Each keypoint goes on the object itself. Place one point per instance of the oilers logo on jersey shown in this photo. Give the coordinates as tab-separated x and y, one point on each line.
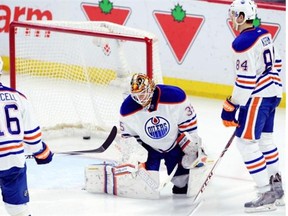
157	127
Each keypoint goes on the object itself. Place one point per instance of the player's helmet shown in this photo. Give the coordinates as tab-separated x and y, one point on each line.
247	7
142	88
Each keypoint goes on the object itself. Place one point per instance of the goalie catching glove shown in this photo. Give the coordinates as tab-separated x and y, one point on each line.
191	145
43	156
229	112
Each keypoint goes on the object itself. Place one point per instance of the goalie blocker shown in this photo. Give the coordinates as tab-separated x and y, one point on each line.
191	145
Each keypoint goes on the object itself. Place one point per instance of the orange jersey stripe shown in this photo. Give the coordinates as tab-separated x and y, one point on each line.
12	147
245	82
277	78
44	154
190	124
33	137
264	81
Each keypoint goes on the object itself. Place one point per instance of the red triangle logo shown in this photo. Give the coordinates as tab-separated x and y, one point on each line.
272	28
179	35
118	15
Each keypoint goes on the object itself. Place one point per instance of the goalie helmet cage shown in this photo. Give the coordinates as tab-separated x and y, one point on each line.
77	74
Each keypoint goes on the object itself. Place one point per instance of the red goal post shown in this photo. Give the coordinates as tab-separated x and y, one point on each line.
76	73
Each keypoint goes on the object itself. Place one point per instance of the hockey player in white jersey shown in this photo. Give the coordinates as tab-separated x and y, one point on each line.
163	121
257	92
18	131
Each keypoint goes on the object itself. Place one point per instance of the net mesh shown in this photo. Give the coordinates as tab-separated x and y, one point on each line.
76	80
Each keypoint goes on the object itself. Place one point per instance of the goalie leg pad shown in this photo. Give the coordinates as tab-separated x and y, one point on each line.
96	178
121	180
197	177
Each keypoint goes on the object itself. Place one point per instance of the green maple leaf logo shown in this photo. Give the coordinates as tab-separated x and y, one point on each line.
106	6
256	22
178	13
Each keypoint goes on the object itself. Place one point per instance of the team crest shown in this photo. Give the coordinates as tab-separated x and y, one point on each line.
157	127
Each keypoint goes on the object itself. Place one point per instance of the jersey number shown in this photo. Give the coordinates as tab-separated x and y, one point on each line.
267	57
189	110
242	65
12	123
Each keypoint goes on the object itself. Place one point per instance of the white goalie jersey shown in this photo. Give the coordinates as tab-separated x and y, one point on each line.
170	113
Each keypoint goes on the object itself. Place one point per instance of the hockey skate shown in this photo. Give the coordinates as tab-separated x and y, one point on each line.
276	185
264	202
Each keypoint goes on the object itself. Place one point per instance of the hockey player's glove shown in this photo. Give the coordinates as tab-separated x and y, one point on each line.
43	156
229	112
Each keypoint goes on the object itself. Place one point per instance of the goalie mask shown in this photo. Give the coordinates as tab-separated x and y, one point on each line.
247	7
142	88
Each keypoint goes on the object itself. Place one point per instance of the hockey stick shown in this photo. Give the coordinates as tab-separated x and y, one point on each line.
204	185
111	137
152	184
168	179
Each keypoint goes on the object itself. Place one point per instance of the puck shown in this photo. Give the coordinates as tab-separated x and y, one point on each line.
86	137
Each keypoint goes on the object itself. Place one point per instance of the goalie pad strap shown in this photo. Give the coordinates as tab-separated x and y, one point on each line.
123	169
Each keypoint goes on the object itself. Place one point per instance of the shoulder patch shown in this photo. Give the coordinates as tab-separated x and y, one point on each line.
129	106
171	94
247	38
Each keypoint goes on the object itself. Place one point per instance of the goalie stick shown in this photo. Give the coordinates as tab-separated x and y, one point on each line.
111	137
206	181
152	184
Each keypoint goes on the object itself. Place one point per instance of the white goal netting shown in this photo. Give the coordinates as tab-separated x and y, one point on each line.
76	74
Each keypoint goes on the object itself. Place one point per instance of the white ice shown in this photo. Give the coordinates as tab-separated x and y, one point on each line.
56	189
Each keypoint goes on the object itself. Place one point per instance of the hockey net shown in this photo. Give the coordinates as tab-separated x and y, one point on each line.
76	74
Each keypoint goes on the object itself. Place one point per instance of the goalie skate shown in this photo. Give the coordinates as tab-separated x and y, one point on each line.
197	177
